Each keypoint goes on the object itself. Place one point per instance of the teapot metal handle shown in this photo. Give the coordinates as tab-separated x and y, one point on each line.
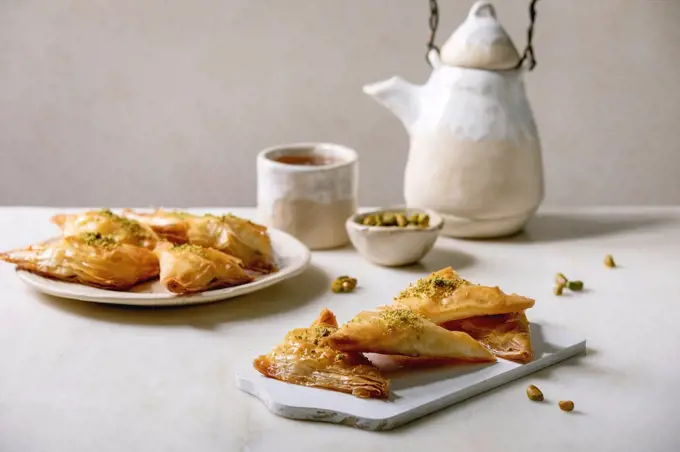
432	49
529	49
432	54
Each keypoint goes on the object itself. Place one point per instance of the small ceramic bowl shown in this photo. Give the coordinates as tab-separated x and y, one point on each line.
393	246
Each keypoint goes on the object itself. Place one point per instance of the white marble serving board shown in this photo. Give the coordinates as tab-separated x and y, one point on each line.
414	394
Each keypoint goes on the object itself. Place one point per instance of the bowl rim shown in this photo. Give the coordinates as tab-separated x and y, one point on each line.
437	225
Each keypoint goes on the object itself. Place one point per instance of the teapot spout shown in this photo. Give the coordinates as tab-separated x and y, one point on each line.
398	96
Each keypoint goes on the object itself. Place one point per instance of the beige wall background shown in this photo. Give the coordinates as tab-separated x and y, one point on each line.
167	102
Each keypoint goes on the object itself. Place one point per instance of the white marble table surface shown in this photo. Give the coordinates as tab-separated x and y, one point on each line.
82	377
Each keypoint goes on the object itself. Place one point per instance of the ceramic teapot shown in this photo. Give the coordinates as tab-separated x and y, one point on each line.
475	154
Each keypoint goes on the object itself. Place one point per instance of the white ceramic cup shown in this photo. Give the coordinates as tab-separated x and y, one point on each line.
309	201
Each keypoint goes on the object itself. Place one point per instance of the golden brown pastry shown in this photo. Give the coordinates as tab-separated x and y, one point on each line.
168	225
304	359
240	238
105	222
444	296
397	331
507	336
88	258
192	268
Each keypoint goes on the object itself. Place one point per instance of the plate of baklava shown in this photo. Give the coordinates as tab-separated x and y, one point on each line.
157	258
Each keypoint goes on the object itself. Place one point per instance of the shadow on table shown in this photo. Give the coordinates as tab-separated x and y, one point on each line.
553	227
437	259
287	295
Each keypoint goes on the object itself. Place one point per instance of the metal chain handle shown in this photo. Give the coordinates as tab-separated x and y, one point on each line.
434	23
529	49
528	54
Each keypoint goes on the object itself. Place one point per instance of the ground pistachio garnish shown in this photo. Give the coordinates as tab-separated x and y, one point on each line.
558	289
343	284
219	218
401	318
433	287
132	227
322	331
196	249
534	393
180	214
398	219
99	240
609	261
315	334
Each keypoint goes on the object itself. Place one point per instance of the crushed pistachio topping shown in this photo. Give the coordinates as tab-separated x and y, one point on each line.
322	331
179	214
397	319
98	240
132	227
196	249
433	287
315	334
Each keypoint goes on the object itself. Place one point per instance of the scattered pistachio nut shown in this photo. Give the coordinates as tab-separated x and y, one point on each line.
609	261
557	290
534	393
575	285
566	405
343	284
561	279
396	219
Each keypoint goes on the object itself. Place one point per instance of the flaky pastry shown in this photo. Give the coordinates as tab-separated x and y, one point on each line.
105	222
507	336
444	296
303	358
168	226
88	258
238	237
192	268
397	331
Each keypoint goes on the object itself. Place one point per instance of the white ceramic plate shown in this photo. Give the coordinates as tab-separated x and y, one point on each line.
291	255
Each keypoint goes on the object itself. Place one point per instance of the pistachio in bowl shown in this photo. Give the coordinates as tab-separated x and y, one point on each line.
394	237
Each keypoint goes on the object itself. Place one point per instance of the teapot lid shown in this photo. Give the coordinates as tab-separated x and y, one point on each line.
480	42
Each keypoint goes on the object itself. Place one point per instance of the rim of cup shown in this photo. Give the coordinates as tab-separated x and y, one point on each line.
340	154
